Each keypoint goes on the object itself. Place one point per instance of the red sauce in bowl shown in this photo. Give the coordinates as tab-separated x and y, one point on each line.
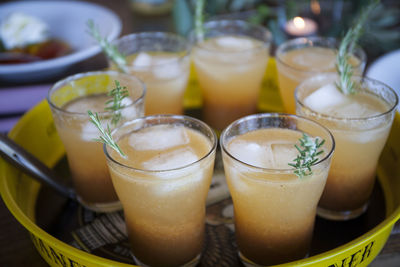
35	52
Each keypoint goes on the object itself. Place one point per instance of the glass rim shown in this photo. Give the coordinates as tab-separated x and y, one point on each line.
164	116
275	115
157	34
352	119
358	52
77	76
221	22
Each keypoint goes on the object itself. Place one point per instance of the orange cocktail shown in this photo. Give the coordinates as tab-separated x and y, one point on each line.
163	183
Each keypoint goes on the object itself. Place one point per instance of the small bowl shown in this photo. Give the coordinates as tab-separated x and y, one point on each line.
67	22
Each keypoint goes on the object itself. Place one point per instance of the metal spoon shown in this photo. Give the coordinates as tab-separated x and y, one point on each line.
29	164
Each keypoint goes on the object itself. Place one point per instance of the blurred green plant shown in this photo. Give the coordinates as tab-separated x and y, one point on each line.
183	11
381	31
261	12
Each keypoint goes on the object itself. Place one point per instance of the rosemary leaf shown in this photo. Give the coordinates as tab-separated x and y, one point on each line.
199	19
346	48
115	104
111	51
308	152
105	134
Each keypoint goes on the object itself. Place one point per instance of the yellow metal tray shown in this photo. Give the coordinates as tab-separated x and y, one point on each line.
36	132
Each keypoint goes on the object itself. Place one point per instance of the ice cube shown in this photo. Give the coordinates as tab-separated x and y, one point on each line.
171	160
313	58
283	153
159	138
363	137
355	110
248	152
167	70
142	60
234	43
89	131
325	98
158	60
268	157
170	187
84	106
179	181
129	111
126	101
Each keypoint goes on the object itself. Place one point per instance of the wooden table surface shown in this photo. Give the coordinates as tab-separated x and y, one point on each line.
16	247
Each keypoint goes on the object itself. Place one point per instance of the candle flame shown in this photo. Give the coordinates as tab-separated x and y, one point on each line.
299	22
315	7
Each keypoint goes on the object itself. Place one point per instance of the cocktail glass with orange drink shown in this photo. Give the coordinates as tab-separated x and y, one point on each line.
230	62
360	124
301	58
274	208
163	182
69	100
161	60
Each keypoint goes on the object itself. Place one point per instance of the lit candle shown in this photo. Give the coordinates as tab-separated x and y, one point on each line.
299	26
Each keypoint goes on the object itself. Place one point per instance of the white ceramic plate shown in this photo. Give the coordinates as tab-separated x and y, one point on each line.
67	21
387	70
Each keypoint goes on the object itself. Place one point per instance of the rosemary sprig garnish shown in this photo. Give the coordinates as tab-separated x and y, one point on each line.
199	19
308	152
111	51
105	136
115	104
346	48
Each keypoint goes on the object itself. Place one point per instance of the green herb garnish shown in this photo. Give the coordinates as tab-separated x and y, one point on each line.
346	48
308	152
105	136
199	19
111	51
115	104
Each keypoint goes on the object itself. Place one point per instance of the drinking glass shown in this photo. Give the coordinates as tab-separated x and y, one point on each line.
360	124
274	209
163	182
230	62
301	58
161	60
69	100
